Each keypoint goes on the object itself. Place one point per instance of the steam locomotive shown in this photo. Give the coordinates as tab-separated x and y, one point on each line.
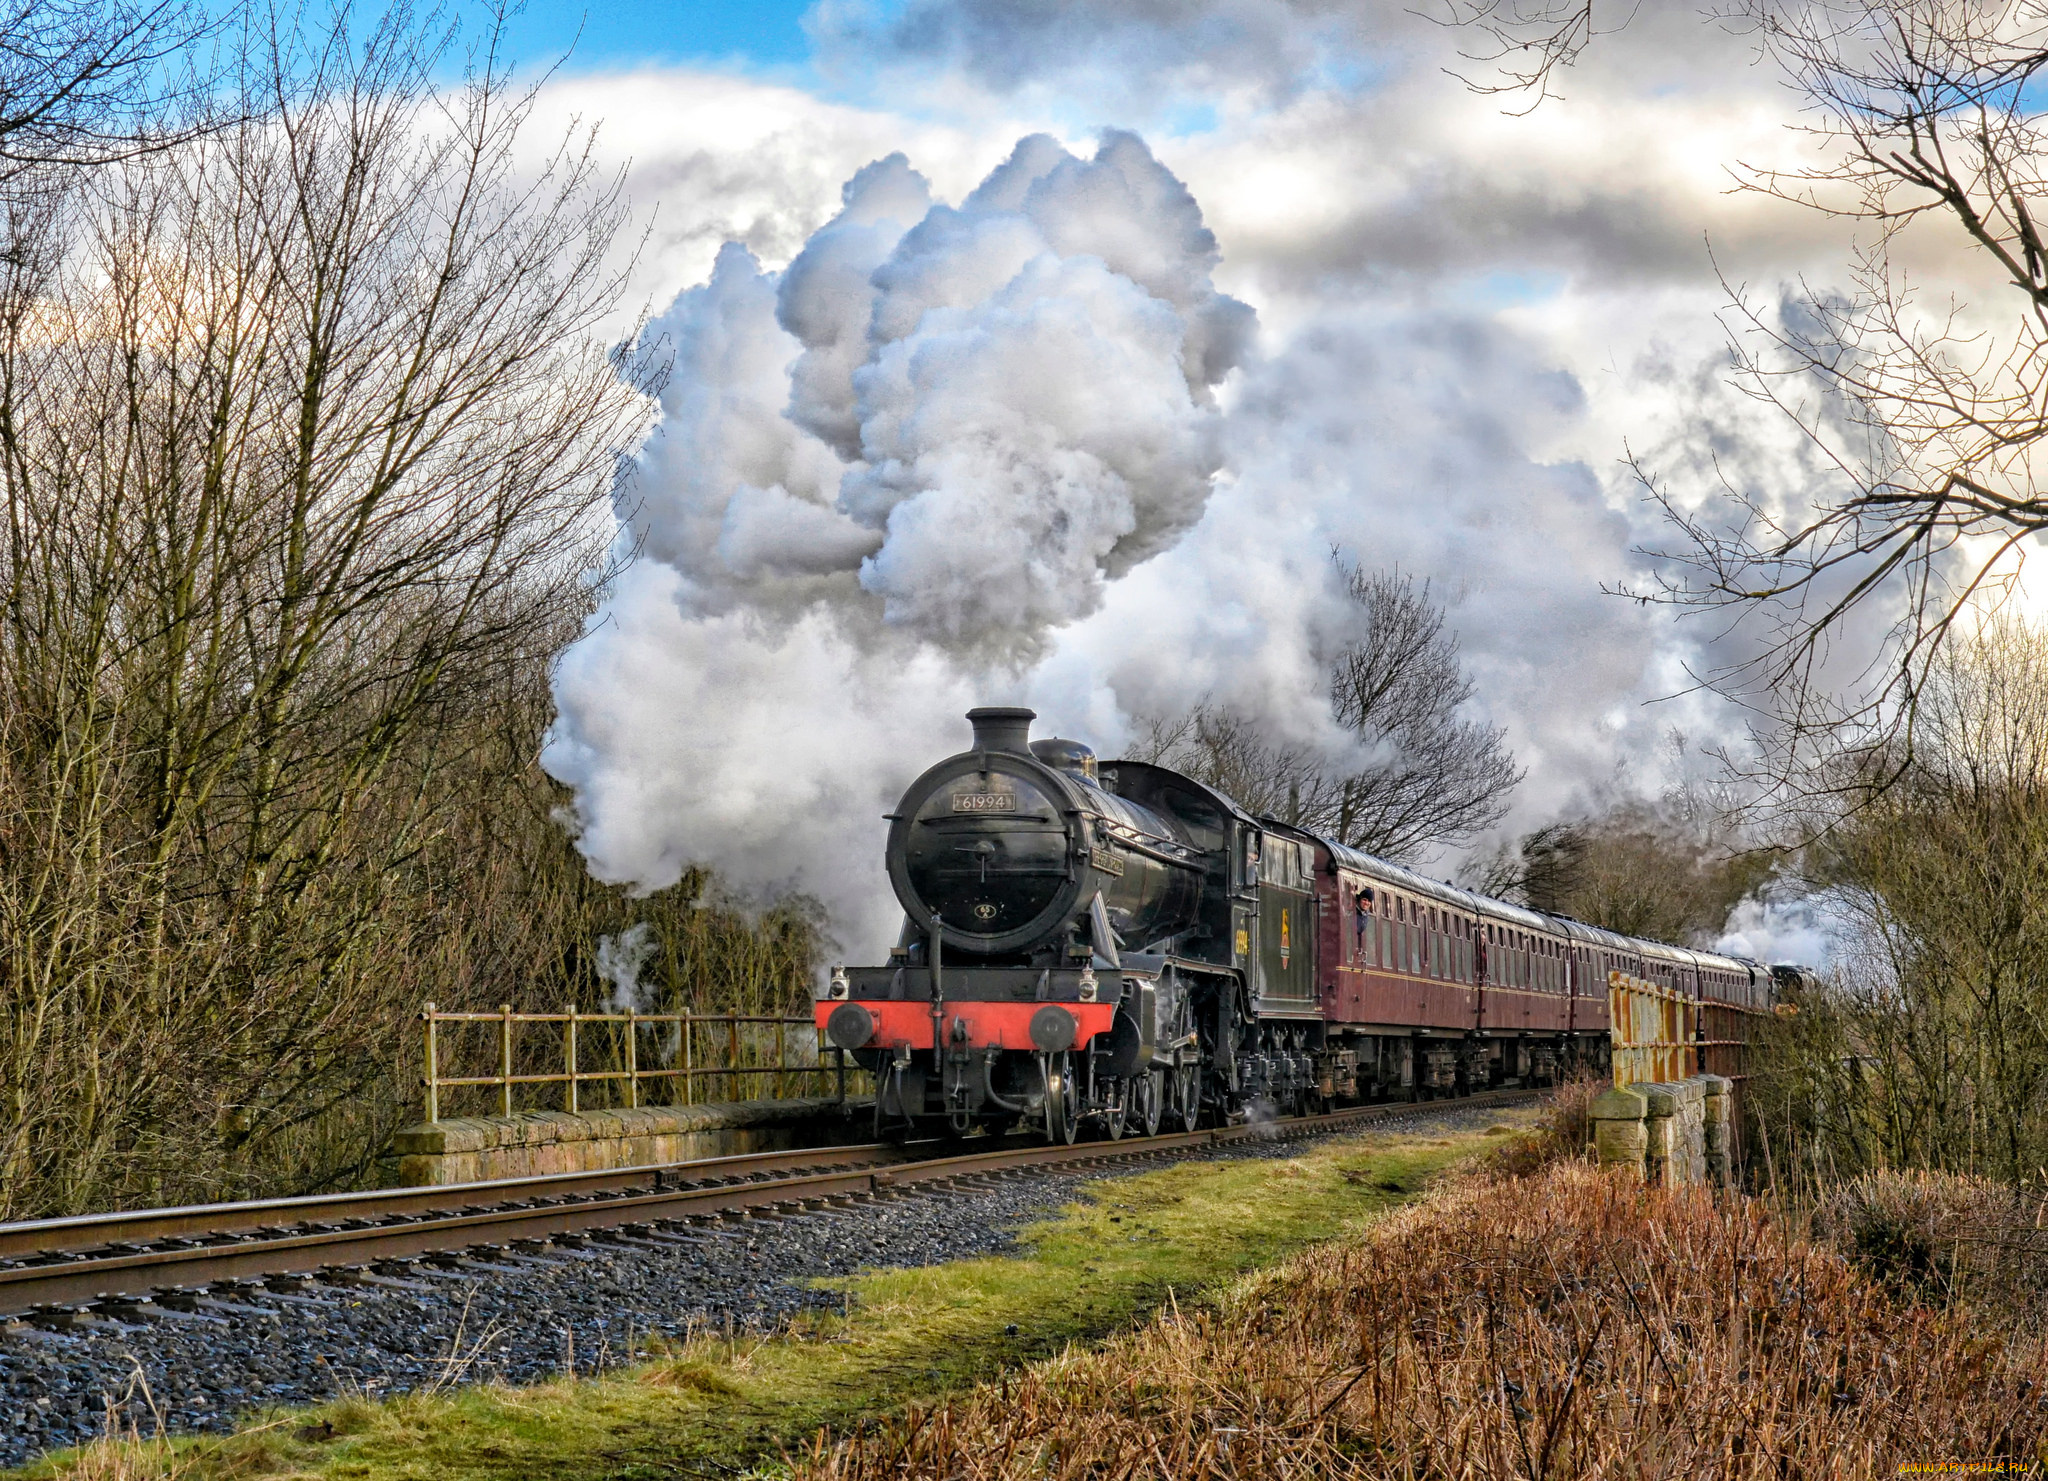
1118	946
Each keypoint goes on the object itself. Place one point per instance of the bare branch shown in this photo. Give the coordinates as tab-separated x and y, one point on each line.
1419	775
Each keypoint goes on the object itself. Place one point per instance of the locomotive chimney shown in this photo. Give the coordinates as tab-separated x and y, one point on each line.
1002	728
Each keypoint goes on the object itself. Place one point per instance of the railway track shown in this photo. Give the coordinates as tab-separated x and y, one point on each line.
60	1271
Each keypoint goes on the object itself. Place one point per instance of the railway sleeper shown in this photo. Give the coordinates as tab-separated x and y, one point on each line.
378	1281
153	1308
75	1318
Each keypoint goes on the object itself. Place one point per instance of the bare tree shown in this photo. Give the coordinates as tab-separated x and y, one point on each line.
1526	42
1929	417
85	81
1641	866
1939	1006
307	431
1429	778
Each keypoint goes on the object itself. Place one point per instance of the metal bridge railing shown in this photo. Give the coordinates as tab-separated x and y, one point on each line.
1652	1029
732	1050
1658	1034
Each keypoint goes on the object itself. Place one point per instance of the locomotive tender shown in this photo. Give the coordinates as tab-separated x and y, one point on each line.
1123	946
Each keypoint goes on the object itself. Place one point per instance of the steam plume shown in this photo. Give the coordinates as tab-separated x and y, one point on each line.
884	478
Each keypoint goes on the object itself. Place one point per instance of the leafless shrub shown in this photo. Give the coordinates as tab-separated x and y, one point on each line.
1563	1131
1944	1237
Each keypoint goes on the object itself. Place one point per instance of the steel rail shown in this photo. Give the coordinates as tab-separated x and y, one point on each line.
447	1221
140	1226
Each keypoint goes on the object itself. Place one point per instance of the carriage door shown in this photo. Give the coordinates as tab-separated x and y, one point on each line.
1244	909
1286	928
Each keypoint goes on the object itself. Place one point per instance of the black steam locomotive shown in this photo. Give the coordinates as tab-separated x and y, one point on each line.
1121	946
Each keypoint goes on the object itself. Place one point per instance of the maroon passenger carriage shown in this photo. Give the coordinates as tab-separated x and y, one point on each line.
1123	946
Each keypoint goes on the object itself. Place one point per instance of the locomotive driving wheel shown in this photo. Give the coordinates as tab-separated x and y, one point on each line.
1116	1112
1062	1099
1184	1095
1148	1101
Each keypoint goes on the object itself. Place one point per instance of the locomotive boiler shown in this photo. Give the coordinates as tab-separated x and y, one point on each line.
1119	945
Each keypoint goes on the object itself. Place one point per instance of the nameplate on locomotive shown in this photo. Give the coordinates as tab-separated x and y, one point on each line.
984	802
1105	860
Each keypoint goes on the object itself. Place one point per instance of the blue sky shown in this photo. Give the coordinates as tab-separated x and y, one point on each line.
754	35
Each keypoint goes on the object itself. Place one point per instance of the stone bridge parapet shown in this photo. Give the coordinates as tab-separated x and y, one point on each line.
473	1149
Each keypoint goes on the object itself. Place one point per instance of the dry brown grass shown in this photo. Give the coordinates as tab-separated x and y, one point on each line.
1944	1237
1563	1130
1568	1324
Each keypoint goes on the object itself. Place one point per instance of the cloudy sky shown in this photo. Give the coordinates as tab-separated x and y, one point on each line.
1045	352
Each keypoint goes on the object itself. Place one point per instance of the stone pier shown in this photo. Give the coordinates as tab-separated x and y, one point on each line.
1669	1132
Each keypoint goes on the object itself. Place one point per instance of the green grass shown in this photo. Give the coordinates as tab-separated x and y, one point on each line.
718	1408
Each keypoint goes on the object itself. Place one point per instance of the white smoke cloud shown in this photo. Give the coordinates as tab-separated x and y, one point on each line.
884	478
621	958
975	414
1775	926
770	748
979	435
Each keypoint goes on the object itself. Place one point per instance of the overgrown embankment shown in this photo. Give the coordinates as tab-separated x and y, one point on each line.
1560	1324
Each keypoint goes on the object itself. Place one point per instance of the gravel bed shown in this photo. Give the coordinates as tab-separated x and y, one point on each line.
559	1310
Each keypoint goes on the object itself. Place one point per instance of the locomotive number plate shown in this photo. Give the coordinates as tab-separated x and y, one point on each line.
1105	860
984	802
